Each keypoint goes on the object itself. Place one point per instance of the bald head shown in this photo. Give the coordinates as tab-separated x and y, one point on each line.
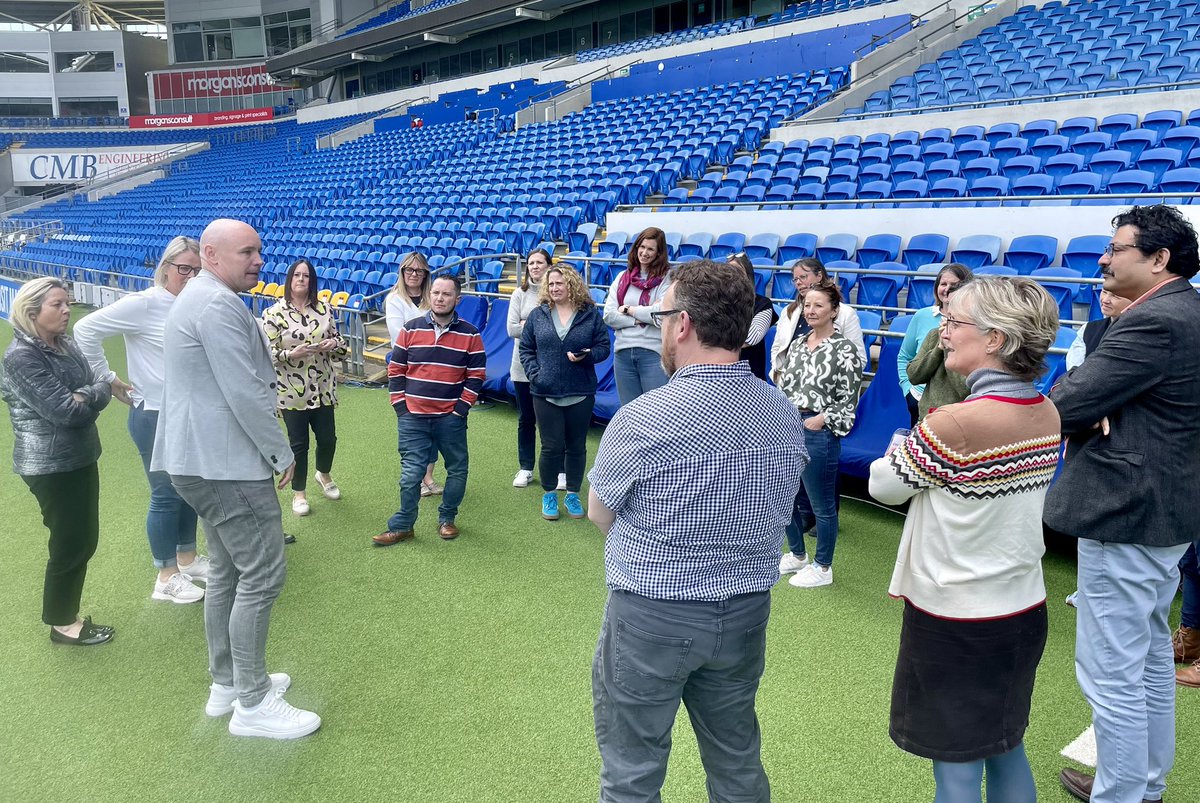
231	251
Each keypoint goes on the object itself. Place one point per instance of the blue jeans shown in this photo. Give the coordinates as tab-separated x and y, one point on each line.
421	438
245	575
1124	664
654	653
170	522
1189	567
637	370
816	503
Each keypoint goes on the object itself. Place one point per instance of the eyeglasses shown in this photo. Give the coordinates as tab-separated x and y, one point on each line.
658	315
952	323
184	270
1116	248
414	271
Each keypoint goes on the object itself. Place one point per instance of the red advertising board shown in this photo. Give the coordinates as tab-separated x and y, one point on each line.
214	82
195	119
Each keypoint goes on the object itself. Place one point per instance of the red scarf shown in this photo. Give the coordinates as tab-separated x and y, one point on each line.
634	276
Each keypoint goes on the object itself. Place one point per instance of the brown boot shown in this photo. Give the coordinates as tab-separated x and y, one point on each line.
1189	676
1186	643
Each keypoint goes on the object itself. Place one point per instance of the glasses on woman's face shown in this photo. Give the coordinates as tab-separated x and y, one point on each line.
952	324
414	271
185	270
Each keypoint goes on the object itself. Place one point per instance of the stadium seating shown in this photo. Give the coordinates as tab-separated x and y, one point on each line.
668	39
400	11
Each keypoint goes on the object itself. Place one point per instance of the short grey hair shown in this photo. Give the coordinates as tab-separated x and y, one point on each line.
174	248
1018	308
27	304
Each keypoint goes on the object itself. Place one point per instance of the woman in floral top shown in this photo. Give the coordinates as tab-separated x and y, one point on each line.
305	342
821	377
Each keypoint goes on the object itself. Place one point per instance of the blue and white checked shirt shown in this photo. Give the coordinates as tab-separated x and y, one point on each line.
702	474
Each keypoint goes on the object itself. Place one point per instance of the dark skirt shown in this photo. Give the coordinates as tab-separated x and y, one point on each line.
962	687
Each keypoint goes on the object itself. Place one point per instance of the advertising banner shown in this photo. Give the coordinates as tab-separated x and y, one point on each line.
196	119
35	167
8	291
214	82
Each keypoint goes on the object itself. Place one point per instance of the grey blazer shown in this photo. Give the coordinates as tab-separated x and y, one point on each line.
218	413
1136	485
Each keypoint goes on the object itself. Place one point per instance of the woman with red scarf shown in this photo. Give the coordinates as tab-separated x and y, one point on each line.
637	292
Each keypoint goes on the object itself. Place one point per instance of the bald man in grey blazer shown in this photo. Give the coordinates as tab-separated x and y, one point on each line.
220	442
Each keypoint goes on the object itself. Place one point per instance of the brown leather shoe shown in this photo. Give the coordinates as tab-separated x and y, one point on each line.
1186	644
391	538
1189	676
1079	784
447	531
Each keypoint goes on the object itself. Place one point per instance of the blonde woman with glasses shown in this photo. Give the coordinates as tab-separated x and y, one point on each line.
409	299
139	318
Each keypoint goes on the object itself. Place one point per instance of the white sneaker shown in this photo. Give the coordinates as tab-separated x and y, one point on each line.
220	698
300	506
812	576
562	482
197	569
790	564
273	718
522	479
178	589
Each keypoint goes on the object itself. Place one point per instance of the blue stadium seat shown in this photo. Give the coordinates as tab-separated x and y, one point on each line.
924	249
835	247
977	250
798	246
1031	252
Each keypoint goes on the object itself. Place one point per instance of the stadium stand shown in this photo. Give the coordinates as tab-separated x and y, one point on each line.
400	11
667	39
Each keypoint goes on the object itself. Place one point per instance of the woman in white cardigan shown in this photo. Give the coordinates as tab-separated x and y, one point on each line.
140	318
806	273
524	300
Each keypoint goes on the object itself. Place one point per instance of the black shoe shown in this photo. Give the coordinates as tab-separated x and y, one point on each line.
89	634
288	538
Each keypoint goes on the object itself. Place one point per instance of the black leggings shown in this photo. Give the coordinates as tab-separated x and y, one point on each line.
564	432
70	503
297	423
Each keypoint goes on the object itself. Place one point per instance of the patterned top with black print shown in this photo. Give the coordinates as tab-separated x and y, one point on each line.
307	382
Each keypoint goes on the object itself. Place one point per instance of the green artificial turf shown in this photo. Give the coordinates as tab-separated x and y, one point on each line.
447	671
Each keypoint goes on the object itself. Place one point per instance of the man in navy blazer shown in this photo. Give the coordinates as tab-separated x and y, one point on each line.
1127	493
220	442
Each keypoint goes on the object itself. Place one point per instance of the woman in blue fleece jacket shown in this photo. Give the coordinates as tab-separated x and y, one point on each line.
562	341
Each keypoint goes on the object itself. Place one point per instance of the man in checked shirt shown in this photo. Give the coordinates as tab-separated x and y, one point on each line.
692	485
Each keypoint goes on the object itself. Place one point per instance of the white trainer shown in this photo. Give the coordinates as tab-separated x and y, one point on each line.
273	718
220	698
197	569
812	576
522	479
178	589
562	482
790	564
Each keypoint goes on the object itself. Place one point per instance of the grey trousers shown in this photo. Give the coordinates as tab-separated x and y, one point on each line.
653	654
246	573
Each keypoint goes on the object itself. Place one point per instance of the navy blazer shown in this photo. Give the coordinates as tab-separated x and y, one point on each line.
544	355
1136	485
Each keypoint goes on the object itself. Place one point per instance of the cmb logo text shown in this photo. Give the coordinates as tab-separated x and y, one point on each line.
76	167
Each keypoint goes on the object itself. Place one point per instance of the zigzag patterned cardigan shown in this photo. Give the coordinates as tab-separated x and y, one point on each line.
977	474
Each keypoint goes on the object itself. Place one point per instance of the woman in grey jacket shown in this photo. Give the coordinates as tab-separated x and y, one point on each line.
53	399
561	343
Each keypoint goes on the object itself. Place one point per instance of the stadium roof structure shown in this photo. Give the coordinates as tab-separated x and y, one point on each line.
60	15
448	25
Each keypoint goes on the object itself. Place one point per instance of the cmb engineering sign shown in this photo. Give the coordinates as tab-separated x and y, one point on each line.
36	168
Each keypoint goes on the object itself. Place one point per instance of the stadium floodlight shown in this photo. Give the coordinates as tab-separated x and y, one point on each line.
356	56
442	38
537	14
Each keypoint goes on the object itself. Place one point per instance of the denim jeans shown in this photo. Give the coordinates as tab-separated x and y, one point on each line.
1189	567
564	441
651	655
526	426
816	503
245	575
170	522
637	370
1124	664
421	438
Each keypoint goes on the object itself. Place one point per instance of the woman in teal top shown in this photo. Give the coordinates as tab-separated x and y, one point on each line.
923	322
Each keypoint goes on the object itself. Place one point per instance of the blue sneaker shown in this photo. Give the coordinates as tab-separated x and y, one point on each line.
550	506
574	506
